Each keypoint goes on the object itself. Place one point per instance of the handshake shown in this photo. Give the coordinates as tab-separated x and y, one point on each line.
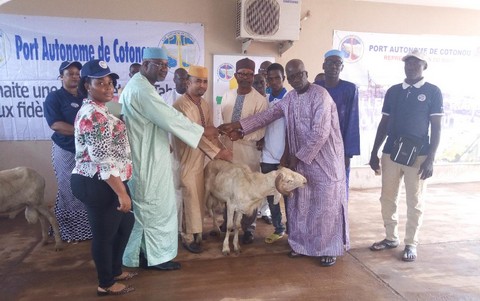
232	130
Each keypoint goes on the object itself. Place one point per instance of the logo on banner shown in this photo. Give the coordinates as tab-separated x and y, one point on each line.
225	71
183	49
353	47
3	48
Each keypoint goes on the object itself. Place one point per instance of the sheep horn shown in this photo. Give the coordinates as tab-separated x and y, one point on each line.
279	187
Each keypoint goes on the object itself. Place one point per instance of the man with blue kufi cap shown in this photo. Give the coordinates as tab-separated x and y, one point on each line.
153	242
345	96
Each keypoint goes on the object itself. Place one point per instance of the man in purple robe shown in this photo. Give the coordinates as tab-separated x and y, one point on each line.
316	214
345	96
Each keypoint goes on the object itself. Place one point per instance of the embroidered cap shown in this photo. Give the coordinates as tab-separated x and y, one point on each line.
335	52
97	69
245	63
152	53
198	71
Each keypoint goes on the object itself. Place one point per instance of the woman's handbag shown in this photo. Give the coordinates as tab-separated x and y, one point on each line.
405	150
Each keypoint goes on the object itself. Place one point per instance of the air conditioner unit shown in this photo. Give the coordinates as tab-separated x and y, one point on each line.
268	20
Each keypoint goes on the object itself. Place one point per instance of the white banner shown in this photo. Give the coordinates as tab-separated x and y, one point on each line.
32	49
223	79
375	64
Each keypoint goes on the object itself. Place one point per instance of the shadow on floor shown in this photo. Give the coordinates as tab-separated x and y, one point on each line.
448	267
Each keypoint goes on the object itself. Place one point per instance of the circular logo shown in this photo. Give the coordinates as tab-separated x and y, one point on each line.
4	45
353	47
421	97
225	71
183	49
103	64
74	105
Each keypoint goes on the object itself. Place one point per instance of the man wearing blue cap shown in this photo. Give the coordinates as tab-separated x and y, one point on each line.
345	96
154	241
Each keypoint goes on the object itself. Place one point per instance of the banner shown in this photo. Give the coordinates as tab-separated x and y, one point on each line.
32	49
223	79
374	63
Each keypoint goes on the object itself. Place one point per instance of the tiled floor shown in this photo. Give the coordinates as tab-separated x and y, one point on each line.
448	267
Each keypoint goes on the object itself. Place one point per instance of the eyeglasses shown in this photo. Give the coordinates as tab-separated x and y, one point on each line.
337	64
242	74
161	65
295	76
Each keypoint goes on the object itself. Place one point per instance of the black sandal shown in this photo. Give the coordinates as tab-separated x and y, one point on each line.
410	253
106	291
327	261
384	244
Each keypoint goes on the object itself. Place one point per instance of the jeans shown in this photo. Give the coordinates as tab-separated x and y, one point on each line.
275	210
111	228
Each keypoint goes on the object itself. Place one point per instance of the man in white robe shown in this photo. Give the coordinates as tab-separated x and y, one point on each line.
238	104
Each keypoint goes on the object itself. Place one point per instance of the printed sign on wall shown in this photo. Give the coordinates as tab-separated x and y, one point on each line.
32	49
374	63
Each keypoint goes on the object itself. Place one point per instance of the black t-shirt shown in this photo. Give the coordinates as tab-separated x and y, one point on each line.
62	106
410	108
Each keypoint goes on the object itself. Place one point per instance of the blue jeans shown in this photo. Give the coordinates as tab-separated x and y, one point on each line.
275	210
110	228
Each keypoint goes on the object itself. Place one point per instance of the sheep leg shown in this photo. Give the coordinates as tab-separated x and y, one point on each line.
276	197
215	228
238	218
45	212
44	227
226	247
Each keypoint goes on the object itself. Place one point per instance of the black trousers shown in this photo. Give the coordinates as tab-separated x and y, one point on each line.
110	228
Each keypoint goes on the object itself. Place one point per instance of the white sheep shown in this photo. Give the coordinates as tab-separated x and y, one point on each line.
24	188
242	191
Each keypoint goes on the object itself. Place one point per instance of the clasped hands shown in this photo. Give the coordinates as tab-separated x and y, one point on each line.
212	133
232	130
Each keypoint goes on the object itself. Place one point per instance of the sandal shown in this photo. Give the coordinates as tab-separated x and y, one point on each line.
273	238
106	291
384	244
327	261
125	276
409	253
293	254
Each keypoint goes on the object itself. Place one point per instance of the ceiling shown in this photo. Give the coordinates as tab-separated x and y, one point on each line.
467	4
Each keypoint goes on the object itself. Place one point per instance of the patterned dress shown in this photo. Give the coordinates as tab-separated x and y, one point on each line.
71	214
317	213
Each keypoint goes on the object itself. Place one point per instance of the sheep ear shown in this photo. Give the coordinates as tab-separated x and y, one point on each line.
278	184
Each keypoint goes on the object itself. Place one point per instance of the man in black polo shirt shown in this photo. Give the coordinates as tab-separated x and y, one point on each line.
409	109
